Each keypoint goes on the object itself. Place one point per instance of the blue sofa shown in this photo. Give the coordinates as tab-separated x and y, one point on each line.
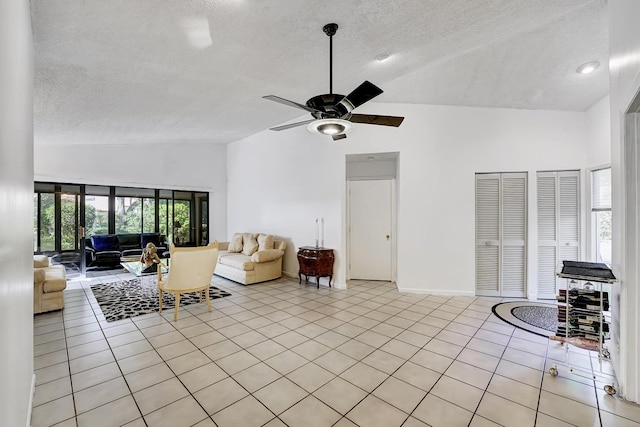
106	249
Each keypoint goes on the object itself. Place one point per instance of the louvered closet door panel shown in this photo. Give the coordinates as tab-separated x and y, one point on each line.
488	234
487	270
513	271
514	207
569	253
569	205
547	234
514	229
488	208
547	207
547	262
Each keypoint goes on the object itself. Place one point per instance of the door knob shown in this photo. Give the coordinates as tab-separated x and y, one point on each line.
388	237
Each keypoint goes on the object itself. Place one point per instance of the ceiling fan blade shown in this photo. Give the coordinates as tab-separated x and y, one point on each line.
338	137
363	93
292	125
373	119
290	103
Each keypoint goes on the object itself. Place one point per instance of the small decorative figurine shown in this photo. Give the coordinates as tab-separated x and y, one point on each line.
150	258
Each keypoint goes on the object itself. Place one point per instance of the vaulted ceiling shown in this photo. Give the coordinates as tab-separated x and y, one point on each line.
170	71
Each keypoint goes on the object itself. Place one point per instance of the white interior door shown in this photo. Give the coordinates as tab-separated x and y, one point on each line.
370	223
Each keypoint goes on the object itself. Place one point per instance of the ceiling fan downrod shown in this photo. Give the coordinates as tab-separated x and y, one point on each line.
330	30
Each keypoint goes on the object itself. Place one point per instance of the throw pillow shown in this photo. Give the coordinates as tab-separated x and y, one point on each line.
105	242
249	244
235	245
265	241
150	238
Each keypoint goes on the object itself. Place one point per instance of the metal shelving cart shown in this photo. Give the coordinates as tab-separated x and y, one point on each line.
584	309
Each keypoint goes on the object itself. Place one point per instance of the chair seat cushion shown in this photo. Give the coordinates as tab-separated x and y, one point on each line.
108	254
131	252
239	261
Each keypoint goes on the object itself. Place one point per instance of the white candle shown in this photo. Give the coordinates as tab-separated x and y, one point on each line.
322	232
317	232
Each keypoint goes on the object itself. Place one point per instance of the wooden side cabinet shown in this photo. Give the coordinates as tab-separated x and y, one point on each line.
316	262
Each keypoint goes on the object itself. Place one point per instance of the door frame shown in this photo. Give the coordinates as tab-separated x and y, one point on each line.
393	227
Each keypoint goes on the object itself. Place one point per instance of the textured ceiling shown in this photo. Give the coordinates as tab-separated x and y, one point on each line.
166	71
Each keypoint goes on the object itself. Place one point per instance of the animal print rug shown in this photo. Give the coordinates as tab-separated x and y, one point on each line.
130	298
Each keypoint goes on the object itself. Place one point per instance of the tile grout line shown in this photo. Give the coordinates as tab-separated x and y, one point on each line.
322	300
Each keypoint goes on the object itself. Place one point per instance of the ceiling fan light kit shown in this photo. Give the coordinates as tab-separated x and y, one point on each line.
333	113
330	126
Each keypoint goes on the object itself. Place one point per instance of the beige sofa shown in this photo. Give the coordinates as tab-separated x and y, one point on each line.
49	282
250	258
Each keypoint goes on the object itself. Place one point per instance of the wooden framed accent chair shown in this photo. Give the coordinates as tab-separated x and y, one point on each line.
191	270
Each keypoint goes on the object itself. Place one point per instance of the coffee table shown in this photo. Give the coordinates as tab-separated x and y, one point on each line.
136	267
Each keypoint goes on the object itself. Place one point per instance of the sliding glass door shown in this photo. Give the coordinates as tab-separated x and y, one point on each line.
65	213
59	224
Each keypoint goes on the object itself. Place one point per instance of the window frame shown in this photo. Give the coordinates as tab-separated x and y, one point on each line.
592	216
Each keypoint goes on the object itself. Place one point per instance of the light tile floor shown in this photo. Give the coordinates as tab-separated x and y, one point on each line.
284	354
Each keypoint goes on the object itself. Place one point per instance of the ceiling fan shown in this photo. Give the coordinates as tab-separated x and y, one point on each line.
333	113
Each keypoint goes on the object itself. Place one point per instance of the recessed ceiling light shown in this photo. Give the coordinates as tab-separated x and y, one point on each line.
587	68
382	57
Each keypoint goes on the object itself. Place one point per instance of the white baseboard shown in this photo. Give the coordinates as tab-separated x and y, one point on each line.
333	284
31	395
289	274
444	292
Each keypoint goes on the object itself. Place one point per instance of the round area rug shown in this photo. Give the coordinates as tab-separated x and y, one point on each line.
535	317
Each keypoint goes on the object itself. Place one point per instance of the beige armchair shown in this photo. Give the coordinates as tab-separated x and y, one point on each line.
49	282
190	270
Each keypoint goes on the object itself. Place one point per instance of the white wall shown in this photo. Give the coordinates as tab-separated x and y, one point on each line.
599	134
280	181
16	213
624	65
198	167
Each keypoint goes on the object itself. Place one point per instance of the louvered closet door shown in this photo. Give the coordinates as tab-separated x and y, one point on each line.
547	234
514	229
501	218
558	226
488	234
